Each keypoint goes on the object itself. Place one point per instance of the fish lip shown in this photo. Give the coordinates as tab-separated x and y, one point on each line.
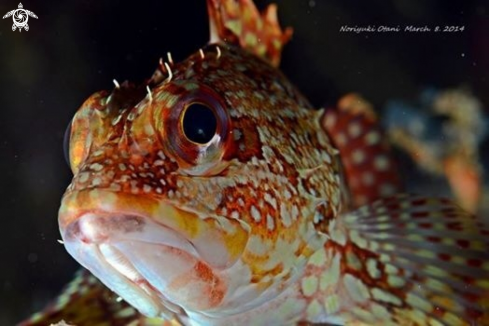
102	227
94	240
143	295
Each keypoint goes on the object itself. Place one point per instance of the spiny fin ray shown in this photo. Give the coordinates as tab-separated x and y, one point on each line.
239	22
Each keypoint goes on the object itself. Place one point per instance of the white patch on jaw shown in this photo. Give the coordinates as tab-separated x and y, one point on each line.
92	259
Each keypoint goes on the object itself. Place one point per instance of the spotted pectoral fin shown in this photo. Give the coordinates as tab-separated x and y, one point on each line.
370	170
239	22
415	261
85	301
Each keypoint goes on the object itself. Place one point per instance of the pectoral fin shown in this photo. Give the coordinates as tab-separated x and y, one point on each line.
409	260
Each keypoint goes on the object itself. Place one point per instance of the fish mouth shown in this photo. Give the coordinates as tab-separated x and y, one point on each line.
133	256
152	266
162	259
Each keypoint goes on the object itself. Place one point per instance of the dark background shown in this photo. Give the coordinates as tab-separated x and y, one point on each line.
77	48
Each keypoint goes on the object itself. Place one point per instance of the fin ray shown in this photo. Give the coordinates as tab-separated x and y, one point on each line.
239	22
437	269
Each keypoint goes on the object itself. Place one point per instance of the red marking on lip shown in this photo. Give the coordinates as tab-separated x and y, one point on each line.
214	287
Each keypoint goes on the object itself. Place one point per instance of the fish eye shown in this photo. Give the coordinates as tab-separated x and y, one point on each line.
197	130
66	144
199	123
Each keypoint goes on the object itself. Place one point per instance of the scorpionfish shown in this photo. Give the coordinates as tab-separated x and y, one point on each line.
215	194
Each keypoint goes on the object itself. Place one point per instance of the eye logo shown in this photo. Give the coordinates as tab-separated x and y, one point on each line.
20	17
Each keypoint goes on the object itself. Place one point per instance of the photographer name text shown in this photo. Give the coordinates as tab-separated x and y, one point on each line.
401	29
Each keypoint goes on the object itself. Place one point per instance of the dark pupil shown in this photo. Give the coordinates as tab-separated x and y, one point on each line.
199	123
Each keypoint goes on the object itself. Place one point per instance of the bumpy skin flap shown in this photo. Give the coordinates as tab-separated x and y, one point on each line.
239	22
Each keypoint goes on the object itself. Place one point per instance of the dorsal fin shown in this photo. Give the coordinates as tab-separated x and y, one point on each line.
239	22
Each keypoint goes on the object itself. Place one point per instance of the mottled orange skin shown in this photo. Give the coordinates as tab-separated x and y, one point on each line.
277	194
280	188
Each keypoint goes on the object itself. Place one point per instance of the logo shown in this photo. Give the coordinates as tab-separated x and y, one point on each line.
20	17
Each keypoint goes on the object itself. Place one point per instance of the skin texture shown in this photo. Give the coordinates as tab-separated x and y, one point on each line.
259	225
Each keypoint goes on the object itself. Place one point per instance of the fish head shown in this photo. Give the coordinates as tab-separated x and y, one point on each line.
203	193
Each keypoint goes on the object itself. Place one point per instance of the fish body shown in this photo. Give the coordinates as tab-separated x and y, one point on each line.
214	194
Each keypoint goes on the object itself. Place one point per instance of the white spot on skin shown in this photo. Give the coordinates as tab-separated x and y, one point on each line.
358	156
235	215
372	138
270	223
161	155
115	187
381	295
309	285
332	304
387	189
96	167
83	177
256	246
241	202
285	215
287	194
271	200
326	157
96	182
357	290
341	139
237	134
98	153
381	163
354	129
314	309
330	120
255	214
331	276
295	212
372	269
